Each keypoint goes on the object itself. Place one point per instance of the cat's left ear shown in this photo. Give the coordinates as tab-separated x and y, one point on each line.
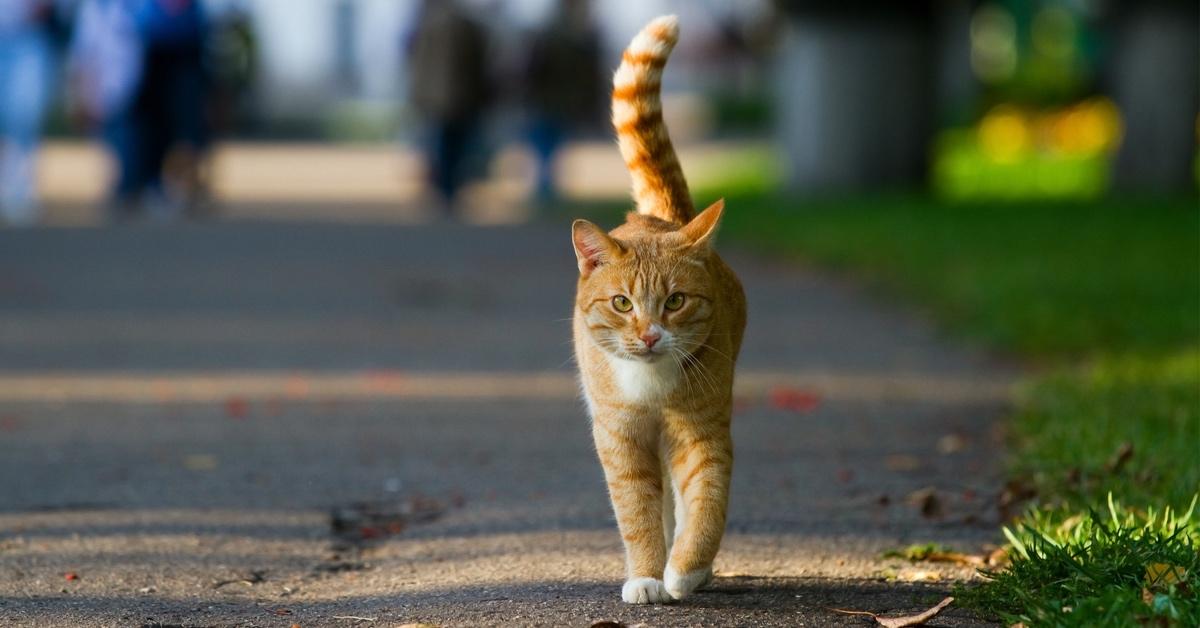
593	247
700	231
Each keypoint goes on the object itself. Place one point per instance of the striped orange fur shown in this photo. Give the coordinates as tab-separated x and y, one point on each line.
657	328
659	188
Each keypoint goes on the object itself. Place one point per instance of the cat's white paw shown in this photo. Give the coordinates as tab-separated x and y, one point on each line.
644	591
681	585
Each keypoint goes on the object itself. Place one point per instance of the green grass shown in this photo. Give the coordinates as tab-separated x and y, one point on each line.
1072	426
1113	567
1049	279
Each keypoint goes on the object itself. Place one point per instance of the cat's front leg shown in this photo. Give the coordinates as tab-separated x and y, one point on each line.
634	476
701	465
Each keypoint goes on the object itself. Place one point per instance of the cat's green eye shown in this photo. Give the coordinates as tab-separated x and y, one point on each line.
674	302
621	303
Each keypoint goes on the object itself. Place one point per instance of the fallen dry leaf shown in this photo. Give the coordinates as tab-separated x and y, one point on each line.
1016	492
927	500
904	621
1164	574
918	575
914	620
957	558
1122	455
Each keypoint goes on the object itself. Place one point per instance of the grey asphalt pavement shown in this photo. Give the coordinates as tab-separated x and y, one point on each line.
273	424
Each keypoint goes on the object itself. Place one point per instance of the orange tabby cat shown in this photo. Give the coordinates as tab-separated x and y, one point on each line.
658	324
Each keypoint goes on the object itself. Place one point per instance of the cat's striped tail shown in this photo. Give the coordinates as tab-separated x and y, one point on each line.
659	188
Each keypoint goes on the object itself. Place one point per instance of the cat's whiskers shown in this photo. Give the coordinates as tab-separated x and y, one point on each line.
702	377
675	357
704	372
705	345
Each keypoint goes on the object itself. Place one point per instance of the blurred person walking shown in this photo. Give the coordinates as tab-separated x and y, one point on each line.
105	67
450	89
171	104
565	84
26	62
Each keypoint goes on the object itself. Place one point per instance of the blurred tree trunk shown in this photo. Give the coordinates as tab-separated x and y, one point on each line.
855	83
1155	80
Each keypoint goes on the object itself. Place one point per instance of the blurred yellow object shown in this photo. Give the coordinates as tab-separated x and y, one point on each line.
963	169
1004	134
1091	127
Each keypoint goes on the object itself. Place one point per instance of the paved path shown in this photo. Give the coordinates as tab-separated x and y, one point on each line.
273	424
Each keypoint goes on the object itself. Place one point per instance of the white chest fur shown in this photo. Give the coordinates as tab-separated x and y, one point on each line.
642	382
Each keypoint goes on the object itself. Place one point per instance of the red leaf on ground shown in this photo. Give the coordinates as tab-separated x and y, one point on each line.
794	399
71	575
237	408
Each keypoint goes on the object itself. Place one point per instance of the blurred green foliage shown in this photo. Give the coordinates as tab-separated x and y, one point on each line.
1044	279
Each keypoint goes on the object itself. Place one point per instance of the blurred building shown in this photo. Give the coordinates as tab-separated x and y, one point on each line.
1010	98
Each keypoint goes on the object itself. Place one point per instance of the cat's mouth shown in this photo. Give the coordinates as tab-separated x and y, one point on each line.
645	355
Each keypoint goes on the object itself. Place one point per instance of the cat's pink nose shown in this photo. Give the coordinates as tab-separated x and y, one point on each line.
650	338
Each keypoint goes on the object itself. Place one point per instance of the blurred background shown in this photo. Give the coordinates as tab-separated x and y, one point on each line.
488	109
279	278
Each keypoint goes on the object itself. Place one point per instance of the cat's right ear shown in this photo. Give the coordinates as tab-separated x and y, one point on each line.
593	247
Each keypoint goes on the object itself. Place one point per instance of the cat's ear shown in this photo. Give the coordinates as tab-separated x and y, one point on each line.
593	246
700	230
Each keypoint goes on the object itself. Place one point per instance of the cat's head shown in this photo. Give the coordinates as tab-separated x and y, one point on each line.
647	291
